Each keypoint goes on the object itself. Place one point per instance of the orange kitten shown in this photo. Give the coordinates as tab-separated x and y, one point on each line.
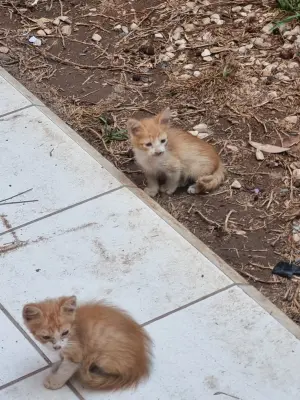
175	154
104	346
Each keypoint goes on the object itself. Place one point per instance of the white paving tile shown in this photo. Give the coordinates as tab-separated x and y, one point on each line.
114	247
36	154
224	344
32	389
17	355
10	99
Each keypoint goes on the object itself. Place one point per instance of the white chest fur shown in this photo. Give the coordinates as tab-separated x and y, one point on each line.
151	164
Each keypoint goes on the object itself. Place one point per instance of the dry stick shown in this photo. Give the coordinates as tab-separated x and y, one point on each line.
16	195
259	280
84	66
227	220
207	220
100	137
61	8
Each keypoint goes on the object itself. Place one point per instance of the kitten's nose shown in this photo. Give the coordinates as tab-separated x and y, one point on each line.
57	347
158	153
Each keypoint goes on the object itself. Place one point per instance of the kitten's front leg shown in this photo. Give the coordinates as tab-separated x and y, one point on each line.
172	182
152	185
56	380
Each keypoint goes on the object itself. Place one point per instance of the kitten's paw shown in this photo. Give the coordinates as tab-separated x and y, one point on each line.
192	189
53	382
167	189
152	192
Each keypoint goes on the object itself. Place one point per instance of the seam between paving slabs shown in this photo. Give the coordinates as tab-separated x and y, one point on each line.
15	111
191	303
13	229
282	318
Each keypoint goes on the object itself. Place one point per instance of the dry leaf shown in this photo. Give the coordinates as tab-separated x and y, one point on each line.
268	148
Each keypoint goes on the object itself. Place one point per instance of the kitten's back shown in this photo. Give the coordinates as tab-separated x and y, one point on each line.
116	349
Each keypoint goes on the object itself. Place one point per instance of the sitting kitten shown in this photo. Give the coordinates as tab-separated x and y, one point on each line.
174	153
105	347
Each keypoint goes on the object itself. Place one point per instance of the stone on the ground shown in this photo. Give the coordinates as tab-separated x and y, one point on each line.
201	127
66	30
205	53
197	74
268	28
4	50
206	21
188	66
236	184
291	119
96	37
159	35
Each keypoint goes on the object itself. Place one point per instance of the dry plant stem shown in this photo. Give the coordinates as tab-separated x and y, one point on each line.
226	229
255	279
207	220
100	137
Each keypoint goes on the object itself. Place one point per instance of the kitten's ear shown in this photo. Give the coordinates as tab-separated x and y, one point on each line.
164	117
31	313
133	126
68	304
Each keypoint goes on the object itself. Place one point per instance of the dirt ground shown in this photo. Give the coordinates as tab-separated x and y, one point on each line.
150	55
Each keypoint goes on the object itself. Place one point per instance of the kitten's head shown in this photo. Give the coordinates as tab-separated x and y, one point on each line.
51	321
150	134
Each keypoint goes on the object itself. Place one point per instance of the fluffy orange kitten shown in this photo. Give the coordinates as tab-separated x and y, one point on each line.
104	346
161	150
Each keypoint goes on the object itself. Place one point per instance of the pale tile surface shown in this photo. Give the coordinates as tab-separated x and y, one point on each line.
225	343
114	247
18	357
36	154
10	99
32	389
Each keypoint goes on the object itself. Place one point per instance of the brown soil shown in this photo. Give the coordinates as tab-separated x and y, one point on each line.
251	228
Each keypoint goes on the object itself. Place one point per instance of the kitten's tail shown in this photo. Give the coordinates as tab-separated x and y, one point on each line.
104	374
213	181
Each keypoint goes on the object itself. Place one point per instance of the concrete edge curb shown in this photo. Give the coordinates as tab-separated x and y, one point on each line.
18	86
250	290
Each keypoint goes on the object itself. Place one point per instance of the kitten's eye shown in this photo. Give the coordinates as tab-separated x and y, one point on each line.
46	337
65	333
149	144
163	141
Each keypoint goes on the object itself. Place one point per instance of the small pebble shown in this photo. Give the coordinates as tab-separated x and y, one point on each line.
206	21
197	74
236	184
4	50
159	35
66	30
125	29
184	77
201	127
133	26
96	37
291	119
188	66
205	53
